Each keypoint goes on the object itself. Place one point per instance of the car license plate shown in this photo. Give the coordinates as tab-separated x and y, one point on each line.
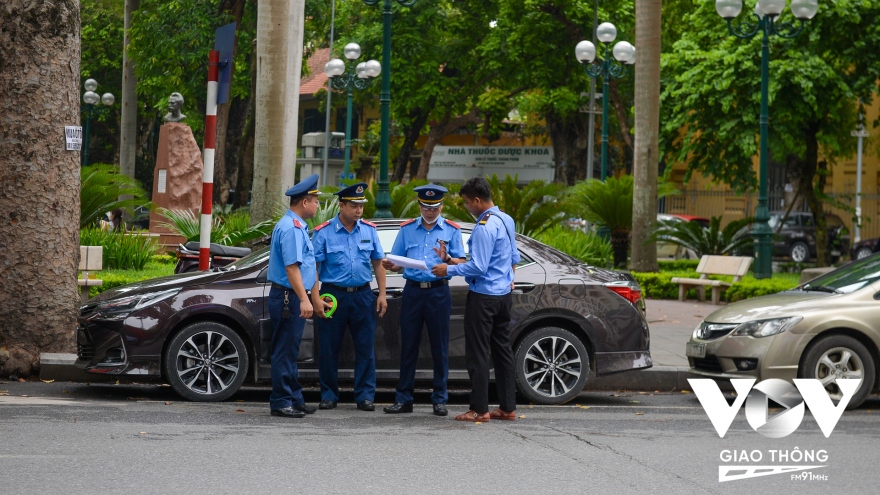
695	350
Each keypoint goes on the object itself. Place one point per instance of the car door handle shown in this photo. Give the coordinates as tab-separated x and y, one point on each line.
523	287
390	292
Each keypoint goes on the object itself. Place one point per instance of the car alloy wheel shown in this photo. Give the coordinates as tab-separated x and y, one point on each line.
839	356
206	362
799	252
552	365
863	252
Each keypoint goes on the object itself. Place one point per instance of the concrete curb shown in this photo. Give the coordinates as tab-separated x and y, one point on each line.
60	367
662	378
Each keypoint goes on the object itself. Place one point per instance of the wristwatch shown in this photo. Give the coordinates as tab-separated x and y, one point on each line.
447	258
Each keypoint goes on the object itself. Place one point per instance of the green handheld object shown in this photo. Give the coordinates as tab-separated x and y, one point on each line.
330	298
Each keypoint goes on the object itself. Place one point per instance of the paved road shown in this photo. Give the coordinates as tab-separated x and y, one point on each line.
76	438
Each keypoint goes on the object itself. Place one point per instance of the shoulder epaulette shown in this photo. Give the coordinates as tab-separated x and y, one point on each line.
297	224
457	226
485	219
319	227
371	224
411	220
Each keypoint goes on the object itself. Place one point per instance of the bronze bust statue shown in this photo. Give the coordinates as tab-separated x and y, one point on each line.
175	101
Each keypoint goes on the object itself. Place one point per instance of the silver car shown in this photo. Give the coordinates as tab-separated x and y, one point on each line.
827	328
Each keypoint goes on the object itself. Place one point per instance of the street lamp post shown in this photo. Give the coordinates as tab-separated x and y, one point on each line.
383	198
766	12
624	54
861	134
359	77
90	98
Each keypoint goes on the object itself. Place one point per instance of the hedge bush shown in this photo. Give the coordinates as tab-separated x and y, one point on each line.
660	286
116	278
587	247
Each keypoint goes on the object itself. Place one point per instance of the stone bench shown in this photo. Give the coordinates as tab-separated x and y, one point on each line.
91	258
737	266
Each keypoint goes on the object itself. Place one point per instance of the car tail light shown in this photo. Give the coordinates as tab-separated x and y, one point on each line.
627	290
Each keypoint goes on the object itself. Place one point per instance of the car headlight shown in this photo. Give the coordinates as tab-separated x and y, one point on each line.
766	328
119	308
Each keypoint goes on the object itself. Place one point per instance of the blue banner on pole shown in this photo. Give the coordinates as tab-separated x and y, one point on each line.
224	42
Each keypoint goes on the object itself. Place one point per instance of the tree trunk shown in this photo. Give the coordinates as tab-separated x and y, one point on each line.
128	124
279	64
438	131
223	169
569	139
245	178
813	192
418	118
645	154
620	247
39	181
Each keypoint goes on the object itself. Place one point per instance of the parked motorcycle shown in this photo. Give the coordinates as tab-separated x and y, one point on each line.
188	256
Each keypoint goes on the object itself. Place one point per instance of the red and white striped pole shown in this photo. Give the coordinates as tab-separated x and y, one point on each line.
208	176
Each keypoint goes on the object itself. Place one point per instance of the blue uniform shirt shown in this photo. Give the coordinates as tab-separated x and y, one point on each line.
345	257
493	252
418	243
291	245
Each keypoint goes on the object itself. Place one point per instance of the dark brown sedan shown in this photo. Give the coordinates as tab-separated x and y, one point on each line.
206	332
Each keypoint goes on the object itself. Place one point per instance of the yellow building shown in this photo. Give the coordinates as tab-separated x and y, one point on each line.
701	197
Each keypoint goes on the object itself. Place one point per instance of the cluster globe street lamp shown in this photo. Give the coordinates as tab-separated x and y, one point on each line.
91	98
623	54
766	15
358	77
383	197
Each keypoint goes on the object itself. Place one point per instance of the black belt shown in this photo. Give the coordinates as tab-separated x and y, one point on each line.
279	286
427	285
325	285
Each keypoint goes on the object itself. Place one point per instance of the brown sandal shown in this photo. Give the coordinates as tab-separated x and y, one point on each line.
503	415
473	417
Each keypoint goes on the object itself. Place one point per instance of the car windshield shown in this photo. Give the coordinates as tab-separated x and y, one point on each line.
849	278
250	260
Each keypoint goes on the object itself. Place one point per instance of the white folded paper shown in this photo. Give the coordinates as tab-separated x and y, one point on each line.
406	262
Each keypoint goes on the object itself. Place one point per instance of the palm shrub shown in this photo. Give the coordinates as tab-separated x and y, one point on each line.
227	229
535	207
608	204
122	250
326	211
587	247
713	240
101	186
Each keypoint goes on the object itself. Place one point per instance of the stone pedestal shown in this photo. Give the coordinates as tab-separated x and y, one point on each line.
177	178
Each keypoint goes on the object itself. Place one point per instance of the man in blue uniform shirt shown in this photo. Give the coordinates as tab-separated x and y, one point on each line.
489	274
345	248
426	299
292	272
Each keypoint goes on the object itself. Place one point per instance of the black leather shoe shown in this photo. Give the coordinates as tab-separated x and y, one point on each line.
366	405
327	404
288	412
305	408
440	410
398	408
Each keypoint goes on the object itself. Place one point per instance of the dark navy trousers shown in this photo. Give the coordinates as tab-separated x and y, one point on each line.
357	312
286	336
431	308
